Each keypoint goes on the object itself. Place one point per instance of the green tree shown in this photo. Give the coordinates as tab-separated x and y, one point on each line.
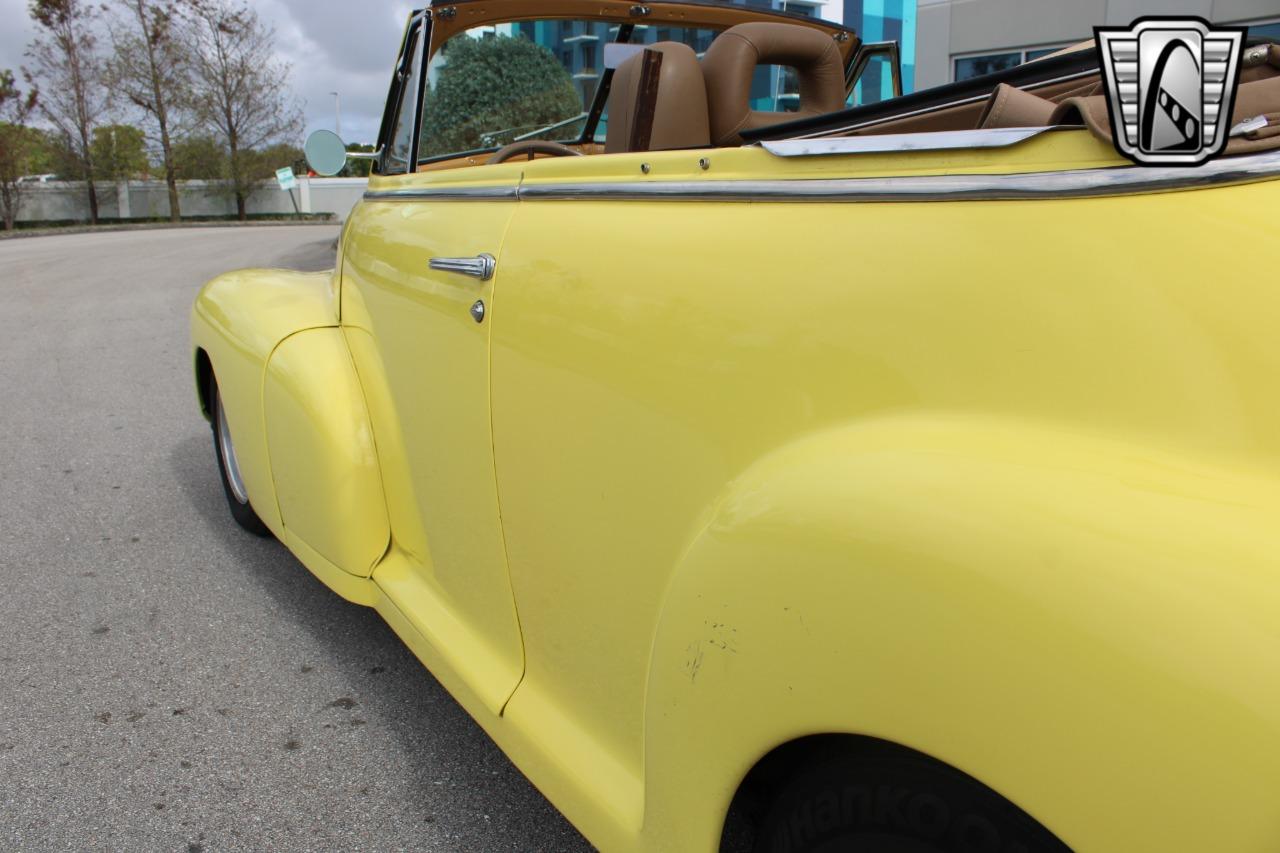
358	168
199	158
240	91
66	60
50	154
119	152
493	89
149	70
15	144
260	166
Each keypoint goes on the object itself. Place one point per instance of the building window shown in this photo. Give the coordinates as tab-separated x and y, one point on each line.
1270	29
967	67
1042	51
976	66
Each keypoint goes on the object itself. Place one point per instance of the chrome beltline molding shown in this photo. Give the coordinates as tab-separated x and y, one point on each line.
1078	183
883	143
444	194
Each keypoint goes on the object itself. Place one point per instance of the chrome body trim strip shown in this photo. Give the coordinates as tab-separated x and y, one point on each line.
896	142
1078	183
1075	183
443	194
481	266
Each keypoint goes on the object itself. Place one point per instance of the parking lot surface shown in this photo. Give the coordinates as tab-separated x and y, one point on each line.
170	682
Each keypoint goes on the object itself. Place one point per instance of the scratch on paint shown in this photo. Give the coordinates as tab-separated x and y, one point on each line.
720	637
694	663
723	637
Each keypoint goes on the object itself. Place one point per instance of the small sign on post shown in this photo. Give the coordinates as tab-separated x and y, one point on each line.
287	181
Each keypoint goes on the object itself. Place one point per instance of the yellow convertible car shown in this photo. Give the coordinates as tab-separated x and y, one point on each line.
768	458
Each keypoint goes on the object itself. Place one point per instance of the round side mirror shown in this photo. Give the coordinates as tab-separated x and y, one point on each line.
326	153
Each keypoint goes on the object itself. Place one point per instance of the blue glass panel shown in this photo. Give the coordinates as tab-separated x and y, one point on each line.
884	20
892	30
871	27
976	66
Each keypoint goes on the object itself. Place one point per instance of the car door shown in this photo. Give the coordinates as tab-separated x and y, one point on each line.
418	281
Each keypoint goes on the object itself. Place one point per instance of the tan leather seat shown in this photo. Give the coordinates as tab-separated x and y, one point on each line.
731	61
679	110
1011	107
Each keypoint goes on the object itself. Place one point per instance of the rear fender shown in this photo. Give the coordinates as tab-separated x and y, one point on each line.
1021	602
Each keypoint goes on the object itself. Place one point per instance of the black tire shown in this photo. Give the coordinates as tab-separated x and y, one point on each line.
893	800
241	509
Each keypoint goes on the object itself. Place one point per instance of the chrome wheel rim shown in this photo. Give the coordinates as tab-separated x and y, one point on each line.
228	452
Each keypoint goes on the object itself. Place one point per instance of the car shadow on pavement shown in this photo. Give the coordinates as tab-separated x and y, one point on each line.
317	256
455	767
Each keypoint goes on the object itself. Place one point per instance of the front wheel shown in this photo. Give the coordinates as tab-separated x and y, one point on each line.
894	801
229	466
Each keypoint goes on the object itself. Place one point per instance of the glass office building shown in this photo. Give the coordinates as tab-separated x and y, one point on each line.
580	46
963	39
884	20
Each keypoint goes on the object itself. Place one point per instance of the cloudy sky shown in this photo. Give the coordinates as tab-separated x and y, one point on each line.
333	46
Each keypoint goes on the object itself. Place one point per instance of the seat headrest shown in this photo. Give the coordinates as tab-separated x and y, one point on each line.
676	114
731	60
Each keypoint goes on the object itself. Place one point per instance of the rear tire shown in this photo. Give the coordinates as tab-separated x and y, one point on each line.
228	466
894	800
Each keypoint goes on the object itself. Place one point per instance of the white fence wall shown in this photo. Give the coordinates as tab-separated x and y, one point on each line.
60	201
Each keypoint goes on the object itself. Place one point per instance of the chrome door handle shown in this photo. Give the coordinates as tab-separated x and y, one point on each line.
481	266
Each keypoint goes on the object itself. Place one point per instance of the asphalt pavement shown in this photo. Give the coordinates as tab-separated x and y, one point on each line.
168	682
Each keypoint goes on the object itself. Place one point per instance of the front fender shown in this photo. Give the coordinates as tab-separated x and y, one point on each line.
1084	624
237	321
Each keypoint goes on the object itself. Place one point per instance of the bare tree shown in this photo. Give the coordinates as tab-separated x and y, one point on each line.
149	70
240	91
15	144
66	61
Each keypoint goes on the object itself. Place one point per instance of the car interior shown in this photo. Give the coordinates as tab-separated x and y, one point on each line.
664	96
1064	90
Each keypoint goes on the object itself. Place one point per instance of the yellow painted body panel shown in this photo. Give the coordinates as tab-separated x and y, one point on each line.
997	481
1086	624
323	461
353	588
425	365
686	343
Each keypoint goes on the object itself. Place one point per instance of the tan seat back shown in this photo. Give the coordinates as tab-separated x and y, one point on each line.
731	61
1012	107
675	116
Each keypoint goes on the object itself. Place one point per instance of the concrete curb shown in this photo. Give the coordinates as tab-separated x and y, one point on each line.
158	226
